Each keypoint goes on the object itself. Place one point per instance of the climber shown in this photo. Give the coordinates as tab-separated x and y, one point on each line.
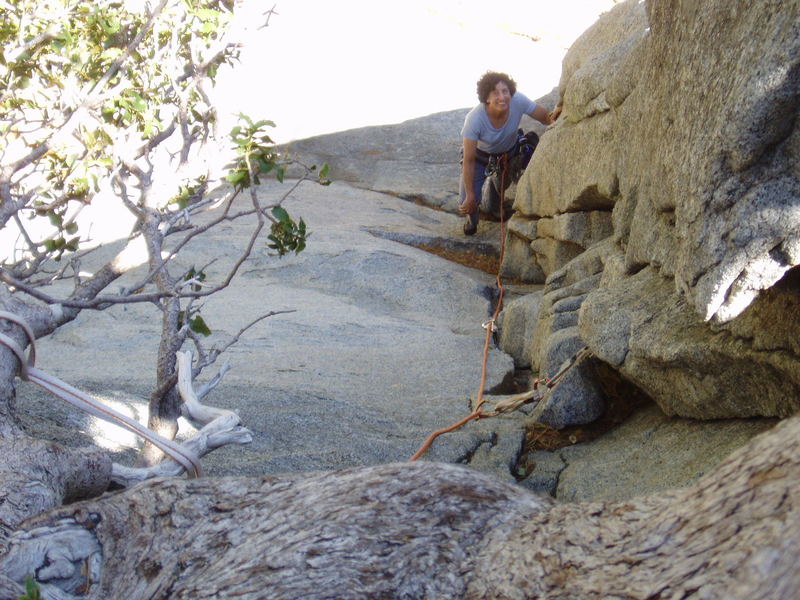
491	130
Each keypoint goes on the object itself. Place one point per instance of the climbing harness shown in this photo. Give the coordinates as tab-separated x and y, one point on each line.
526	144
28	372
516	159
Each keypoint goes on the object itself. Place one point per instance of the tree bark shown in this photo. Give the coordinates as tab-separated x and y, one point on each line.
35	475
424	530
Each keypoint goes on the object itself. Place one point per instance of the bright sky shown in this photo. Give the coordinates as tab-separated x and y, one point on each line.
324	66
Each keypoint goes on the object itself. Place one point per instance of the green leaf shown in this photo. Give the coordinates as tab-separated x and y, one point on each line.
32	591
198	325
286	235
264	166
246	119
236	176
280	213
56	220
322	178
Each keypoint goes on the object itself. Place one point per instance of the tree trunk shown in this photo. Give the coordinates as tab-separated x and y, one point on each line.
35	475
424	530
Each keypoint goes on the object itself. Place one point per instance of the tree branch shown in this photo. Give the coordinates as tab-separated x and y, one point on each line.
219	427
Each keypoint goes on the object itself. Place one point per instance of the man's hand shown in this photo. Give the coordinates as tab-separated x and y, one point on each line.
556	113
468	207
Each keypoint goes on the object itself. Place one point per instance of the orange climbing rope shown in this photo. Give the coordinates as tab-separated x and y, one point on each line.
513	402
488	325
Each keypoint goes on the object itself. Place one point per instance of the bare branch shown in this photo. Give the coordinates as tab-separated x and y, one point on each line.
215	352
208	387
269	14
219	427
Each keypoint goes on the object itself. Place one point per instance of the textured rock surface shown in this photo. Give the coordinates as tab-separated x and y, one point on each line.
649	452
621	198
709	181
651	334
417	159
679	144
563	295
517	322
717	176
577	400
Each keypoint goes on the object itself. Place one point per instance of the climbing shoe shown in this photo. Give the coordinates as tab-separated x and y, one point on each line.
469	227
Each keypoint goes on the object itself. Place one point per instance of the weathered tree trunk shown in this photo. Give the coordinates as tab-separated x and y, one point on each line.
735	534
36	475
426	530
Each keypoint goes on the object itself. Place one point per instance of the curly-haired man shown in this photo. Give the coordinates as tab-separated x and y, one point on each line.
490	130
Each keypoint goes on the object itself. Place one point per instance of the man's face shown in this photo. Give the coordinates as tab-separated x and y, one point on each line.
499	97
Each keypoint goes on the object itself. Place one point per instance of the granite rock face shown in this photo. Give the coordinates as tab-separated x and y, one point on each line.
517	322
649	453
417	159
381	345
578	400
715	180
664	206
567	195
660	213
695	369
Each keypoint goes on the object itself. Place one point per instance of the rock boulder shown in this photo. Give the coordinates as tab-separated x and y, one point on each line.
678	148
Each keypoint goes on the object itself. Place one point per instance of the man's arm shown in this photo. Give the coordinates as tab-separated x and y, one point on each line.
541	114
468	174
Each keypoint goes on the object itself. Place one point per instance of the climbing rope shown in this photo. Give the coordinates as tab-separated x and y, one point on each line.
28	372
490	326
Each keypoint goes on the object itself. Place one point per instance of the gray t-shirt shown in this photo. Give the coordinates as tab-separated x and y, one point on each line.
477	125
